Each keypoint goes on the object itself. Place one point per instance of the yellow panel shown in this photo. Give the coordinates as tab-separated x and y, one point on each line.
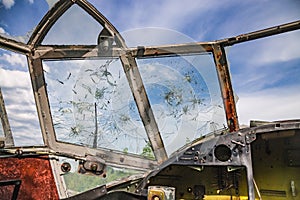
156	193
224	197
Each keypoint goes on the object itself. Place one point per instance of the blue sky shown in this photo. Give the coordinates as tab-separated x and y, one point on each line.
265	73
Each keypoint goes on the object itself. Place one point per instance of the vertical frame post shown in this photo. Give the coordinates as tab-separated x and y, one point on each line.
142	101
9	141
226	87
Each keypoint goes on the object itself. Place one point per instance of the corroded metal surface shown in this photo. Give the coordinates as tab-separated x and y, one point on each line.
35	174
261	33
12	45
226	88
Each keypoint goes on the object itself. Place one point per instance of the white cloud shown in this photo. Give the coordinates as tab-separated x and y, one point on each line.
284	47
151	36
167	14
171	14
2	31
51	2
8	3
269	105
20	107
279	48
14	59
14	78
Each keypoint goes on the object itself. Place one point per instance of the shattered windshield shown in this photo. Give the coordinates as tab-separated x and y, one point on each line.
185	97
92	104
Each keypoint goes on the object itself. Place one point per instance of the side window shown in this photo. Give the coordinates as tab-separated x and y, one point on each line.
18	98
267	84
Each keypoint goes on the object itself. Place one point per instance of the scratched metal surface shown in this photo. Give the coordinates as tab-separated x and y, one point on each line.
36	176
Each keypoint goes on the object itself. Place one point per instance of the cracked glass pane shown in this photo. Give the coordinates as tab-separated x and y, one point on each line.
185	97
92	105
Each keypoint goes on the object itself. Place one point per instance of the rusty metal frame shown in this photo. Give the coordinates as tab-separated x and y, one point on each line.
13	45
226	87
36	53
275	30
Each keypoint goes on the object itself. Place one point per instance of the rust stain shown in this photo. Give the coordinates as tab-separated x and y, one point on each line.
226	88
36	176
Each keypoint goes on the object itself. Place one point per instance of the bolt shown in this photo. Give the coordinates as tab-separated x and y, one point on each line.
94	167
65	167
196	158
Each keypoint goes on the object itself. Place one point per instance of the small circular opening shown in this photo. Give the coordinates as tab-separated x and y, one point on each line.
222	152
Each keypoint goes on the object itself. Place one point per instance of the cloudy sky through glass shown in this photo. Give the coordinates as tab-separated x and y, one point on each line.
265	73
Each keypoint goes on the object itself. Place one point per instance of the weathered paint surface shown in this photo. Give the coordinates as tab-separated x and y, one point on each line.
35	174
